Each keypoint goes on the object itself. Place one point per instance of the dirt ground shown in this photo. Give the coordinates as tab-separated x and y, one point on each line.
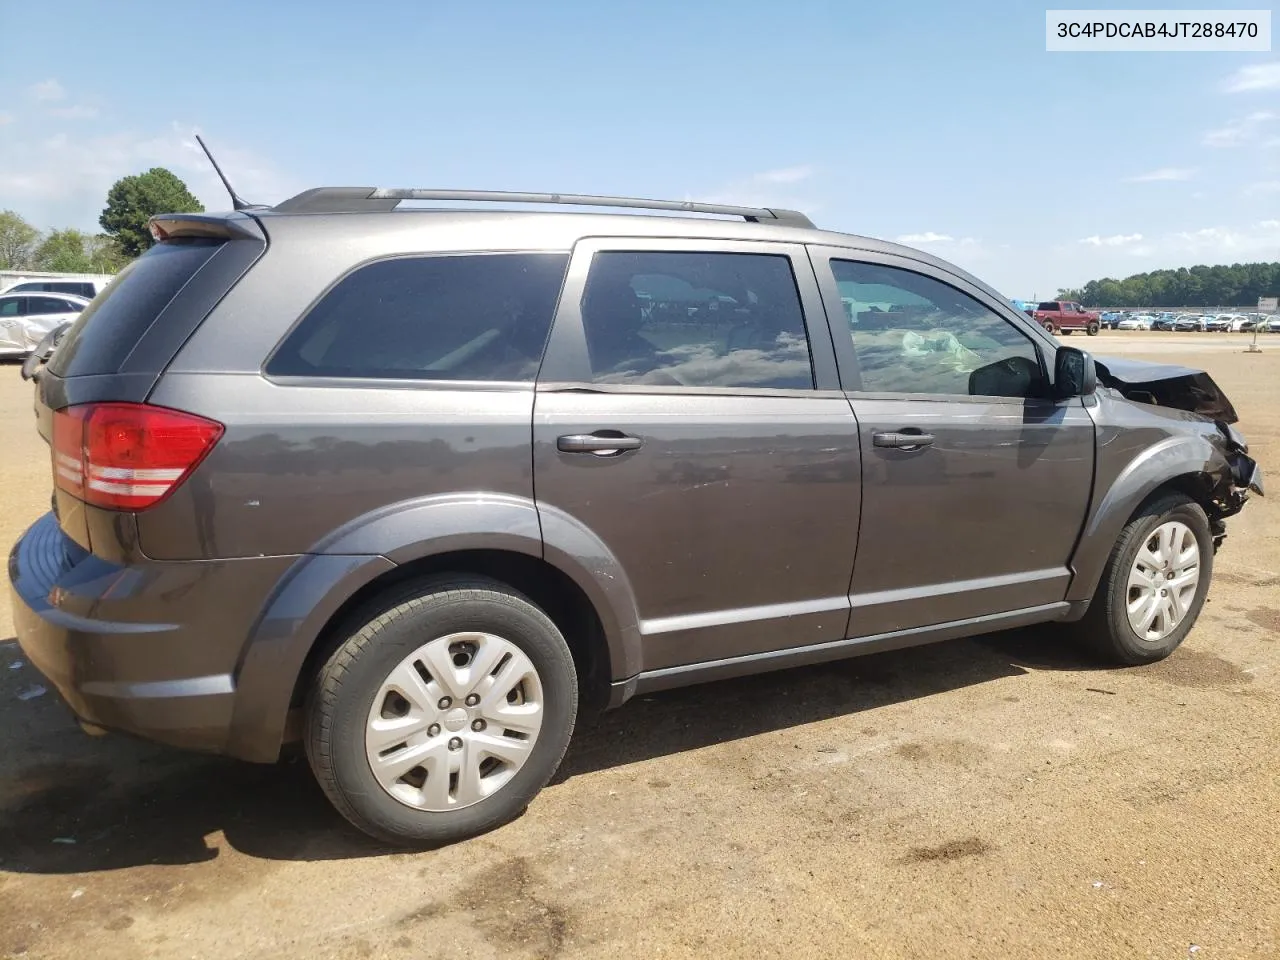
993	797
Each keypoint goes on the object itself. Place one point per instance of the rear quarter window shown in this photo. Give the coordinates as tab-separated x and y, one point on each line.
462	317
109	328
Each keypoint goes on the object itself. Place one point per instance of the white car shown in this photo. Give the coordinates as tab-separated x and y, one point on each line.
26	318
88	289
1270	325
1140	322
1220	324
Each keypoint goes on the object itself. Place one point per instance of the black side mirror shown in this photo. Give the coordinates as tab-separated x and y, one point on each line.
1074	374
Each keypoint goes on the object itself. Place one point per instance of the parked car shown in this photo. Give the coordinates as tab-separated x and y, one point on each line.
1271	324
1239	323
1064	316
1137	322
1219	323
1165	322
1190	323
419	484
26	319
1109	320
88	289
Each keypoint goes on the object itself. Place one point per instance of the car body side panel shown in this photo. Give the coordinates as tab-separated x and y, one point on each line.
1140	448
301	460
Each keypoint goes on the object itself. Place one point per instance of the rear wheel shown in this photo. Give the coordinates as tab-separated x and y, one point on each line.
444	714
1154	584
1048	325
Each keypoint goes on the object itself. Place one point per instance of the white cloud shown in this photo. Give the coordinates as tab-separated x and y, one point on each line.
62	181
1259	76
1162	174
1226	244
927	237
79	111
1238	132
47	91
785	175
1117	240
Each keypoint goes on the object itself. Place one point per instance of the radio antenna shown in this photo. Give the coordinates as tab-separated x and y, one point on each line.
236	202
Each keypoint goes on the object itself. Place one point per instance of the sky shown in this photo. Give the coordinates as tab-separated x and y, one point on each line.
943	125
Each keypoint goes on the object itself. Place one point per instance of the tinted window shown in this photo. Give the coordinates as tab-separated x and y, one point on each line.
1049	305
79	289
11	306
109	328
430	318
695	319
41	306
914	334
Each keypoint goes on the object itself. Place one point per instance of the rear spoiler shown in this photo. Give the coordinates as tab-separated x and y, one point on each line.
214	226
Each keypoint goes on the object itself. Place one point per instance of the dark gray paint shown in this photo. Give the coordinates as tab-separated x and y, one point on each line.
752	529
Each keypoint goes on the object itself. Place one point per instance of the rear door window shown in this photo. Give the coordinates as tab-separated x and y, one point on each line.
44	306
12	306
467	317
695	320
109	328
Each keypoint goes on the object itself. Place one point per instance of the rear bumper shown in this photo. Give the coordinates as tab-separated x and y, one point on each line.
148	648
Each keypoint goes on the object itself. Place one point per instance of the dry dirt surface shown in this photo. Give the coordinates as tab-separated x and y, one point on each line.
994	797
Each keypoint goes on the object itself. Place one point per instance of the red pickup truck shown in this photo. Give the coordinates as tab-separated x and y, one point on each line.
1063	316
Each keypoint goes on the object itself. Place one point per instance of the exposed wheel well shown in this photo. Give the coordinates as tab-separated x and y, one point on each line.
1204	490
552	590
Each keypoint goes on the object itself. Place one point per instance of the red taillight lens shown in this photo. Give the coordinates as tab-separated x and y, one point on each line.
127	456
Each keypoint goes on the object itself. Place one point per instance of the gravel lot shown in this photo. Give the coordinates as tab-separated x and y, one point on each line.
994	797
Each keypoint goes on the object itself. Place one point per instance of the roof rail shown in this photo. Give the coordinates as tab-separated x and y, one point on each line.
372	199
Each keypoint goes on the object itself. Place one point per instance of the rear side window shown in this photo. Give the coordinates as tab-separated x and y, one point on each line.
42	306
695	320
470	317
109	328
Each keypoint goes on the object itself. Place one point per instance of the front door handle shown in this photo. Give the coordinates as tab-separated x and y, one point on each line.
902	439
603	443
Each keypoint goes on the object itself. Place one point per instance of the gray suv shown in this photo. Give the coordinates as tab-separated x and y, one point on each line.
415	485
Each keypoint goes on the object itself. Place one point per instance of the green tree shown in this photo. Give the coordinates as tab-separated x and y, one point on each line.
106	254
17	242
132	201
64	251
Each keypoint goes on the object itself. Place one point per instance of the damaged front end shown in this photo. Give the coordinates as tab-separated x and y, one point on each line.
1166	385
1186	388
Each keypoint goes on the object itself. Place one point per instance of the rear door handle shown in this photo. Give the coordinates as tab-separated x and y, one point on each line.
901	439
600	443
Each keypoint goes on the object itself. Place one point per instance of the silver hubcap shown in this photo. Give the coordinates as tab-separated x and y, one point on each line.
1163	580
454	722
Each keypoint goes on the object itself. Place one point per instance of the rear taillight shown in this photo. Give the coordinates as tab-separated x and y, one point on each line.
127	456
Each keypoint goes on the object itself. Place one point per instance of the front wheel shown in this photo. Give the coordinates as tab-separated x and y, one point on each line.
1092	329
444	714
1154	584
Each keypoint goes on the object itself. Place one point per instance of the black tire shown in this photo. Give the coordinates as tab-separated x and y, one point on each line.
1105	628
343	690
1048	325
1092	329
